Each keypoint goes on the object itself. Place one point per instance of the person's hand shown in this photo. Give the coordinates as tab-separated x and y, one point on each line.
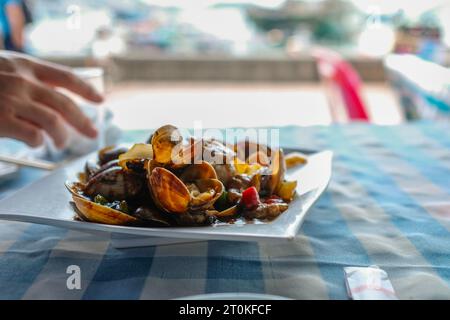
29	104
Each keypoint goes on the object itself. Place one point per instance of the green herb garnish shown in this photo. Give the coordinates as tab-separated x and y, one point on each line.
100	199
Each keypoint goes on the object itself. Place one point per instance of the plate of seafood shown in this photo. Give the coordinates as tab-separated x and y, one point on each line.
179	186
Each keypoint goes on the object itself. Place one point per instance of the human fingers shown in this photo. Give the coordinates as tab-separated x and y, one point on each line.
19	129
63	77
45	118
65	107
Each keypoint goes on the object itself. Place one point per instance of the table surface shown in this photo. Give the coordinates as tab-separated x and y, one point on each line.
388	204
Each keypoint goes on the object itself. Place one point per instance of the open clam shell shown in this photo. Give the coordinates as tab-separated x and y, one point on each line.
94	212
75	188
168	192
171	149
202	170
172	195
209	190
163	141
98	213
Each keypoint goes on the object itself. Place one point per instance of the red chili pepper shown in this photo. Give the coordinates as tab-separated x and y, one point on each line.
250	198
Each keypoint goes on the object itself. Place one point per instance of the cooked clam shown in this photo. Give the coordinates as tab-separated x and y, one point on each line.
175	180
168	192
204	192
110	153
202	170
95	212
115	183
90	169
164	141
198	190
136	154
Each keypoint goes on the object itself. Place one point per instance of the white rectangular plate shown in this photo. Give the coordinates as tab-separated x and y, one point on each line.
47	201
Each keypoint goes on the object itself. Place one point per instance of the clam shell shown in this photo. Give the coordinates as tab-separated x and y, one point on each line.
95	212
110	153
138	151
168	192
203	170
172	195
75	188
210	191
115	183
164	141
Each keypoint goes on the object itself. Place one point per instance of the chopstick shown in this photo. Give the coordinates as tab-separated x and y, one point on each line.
39	164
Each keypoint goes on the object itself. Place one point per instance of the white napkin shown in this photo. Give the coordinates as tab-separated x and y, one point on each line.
369	283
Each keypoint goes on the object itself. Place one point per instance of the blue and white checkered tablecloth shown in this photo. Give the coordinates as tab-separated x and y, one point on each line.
388	204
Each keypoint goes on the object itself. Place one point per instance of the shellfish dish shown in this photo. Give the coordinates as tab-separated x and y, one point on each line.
175	179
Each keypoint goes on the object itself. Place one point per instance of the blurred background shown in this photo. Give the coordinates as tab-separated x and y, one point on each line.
250	62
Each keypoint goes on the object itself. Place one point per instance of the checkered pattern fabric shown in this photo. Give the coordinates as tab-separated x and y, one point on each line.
388	204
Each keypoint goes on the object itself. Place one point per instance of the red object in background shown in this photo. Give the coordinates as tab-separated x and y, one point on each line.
339	75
